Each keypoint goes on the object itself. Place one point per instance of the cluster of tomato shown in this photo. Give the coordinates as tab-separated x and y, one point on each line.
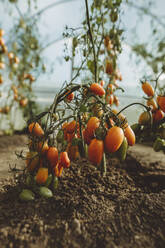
152	121
16	89
112	72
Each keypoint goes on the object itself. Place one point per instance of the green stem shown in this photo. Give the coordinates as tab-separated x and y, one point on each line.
135	103
91	38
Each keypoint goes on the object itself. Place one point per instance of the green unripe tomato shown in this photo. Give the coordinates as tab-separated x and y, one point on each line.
158	144
122	152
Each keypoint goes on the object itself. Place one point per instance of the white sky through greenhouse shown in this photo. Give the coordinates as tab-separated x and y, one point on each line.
52	25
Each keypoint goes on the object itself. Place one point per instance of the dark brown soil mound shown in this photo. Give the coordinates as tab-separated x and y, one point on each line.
124	209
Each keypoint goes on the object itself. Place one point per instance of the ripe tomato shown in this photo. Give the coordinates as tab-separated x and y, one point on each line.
152	102
73	151
32	160
42	175
102	83
95	151
144	118
92	125
116	101
147	89
64	160
97	89
52	156
23	102
111	87
87	137
130	135
111	99
36	129
70	127
42	147
158	115
58	169
109	67
114	139
162	103
70	97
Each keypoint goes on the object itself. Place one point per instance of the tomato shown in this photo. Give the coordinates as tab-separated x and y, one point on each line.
87	137
70	97
111	87
114	139
151	102
2	32
144	118
36	129
32	160
162	103
42	147
136	127
158	144
97	89
70	128
122	151
130	135
111	99
64	160
92	125
116	101
95	151
58	169
106	41
73	151
42	175
109	67
23	102
52	156
147	89
70	136
158	115
102	83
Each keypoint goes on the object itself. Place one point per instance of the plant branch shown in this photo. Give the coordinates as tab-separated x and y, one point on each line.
91	38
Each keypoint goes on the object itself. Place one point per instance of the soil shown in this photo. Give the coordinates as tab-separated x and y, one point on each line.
124	209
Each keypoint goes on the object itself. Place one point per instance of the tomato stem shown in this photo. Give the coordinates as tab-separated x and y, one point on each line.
103	166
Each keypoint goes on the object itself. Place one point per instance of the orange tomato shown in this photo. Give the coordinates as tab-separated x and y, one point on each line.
42	175
151	102
23	102
97	89
70	136
130	135
32	160
158	115
2	65
111	99
87	137
70	128
95	151
92	125
144	118
162	103
64	160
111	87
36	129
102	83
114	139
70	97
73	152
147	89
42	147
58	169
116	101
52	156
109	67
106	41
2	32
